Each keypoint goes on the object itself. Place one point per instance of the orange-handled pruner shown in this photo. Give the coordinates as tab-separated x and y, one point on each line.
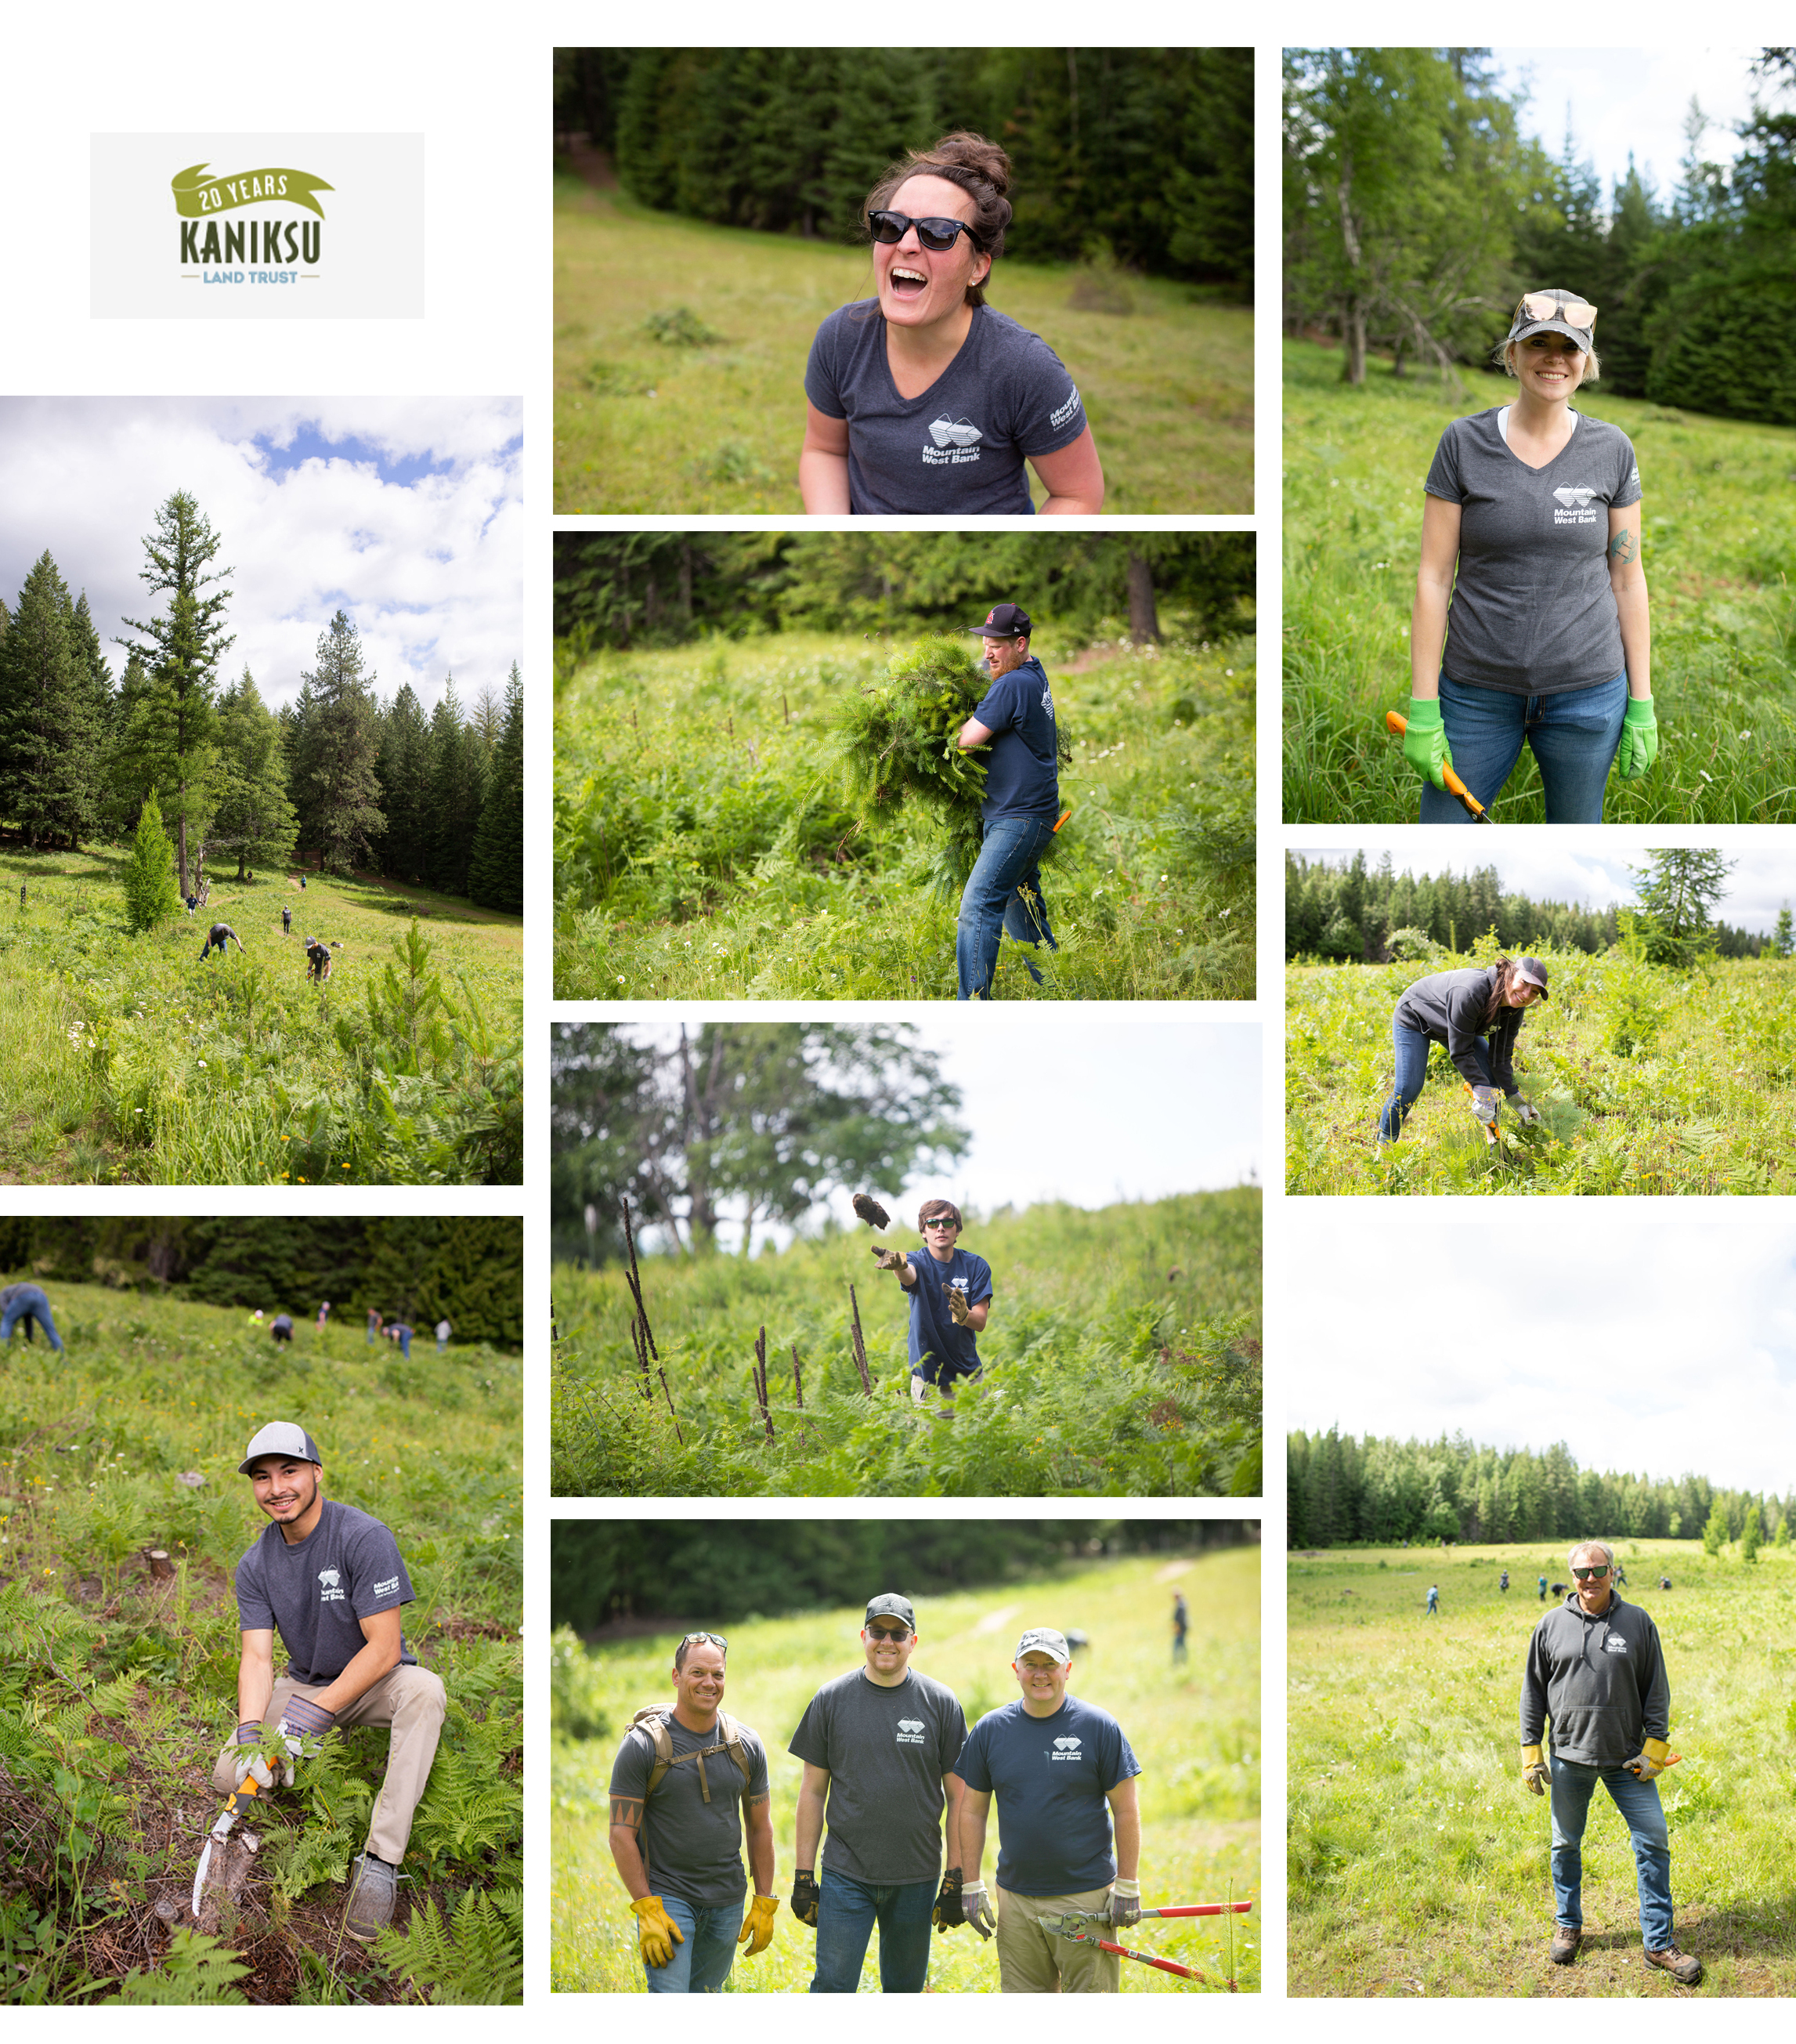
1399	724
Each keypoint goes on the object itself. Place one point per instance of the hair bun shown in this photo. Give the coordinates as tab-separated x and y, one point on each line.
972	153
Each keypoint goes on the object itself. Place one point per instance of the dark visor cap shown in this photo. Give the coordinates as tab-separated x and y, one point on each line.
1007	621
891	1605
1532	971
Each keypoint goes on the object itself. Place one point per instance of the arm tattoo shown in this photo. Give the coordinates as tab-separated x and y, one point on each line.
1624	547
754	1803
626	1811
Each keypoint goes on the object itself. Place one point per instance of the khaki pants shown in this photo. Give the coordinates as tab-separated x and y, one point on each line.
1035	1961
408	1699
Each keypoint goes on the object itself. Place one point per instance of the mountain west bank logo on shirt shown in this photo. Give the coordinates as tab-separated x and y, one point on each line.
330	1586
1576	507
910	1731
1615	1644
956	440
244	250
1066	1749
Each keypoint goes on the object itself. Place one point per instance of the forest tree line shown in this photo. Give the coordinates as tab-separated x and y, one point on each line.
1416	214
422	1268
338	779
603	1570
660	589
1378	1491
1350	912
1142	155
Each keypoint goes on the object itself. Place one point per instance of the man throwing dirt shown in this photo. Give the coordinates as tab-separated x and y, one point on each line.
950	1299
330	1581
1062	1770
676	1828
879	1747
1596	1668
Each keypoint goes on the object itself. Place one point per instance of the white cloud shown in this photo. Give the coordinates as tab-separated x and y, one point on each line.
428	565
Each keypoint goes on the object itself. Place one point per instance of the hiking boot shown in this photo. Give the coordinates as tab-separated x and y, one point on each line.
373	1885
1564	1947
1685	1968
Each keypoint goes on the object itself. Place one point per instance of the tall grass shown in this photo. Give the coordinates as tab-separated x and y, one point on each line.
1419	1864
1719	548
1195	1729
706	847
133	1062
1648	1080
1121	1359
649	425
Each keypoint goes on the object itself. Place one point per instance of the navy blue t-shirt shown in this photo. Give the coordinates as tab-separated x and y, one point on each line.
1050	1777
939	1349
1022	770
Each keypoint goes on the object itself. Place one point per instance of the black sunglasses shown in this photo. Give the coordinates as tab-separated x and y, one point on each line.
1584	1575
880	1632
935	233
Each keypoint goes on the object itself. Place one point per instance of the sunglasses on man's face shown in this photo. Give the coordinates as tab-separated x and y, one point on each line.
1584	1575
1543	304
942	1224
884	1632
935	233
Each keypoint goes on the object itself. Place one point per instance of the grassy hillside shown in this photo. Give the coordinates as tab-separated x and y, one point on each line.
118	1689
1719	548
133	1064
704	850
1121	1359
1195	1729
1648	1081
1168	383
1418	1863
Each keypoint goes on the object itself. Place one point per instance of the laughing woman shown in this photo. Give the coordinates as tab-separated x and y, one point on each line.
1531	574
924	399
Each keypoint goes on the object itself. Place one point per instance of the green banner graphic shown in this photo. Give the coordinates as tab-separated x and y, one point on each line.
197	196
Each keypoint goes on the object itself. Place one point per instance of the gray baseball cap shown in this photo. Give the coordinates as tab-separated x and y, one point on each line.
1554	311
1532	971
891	1605
1044	1639
280	1437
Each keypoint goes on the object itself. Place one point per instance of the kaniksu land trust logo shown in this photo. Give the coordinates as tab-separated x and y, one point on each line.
272	247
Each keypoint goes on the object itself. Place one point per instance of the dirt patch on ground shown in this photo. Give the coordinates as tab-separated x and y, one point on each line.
593	166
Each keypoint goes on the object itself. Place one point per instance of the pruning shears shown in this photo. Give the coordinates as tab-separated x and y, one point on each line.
1395	722
226	1819
1493	1135
1075	1927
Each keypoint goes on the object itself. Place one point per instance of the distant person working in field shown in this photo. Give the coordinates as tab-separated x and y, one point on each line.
1433	1609
324	1314
1060	1769
330	1581
1181	1625
375	1326
1016	718
1502	1580
217	937
685	1780
317	960
879	1747
923	399
26	1304
1543	1584
444	1332
951	1292
1476	1012
1531	575
397	1331
281	1327
286	922
1596	1668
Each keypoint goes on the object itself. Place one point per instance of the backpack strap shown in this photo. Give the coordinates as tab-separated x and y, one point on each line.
653	1721
731	1733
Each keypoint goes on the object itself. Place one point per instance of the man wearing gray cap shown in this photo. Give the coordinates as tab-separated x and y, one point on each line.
1054	1764
330	1581
879	1747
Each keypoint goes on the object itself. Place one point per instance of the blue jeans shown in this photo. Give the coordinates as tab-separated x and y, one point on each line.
701	1965
847	1911
1003	892
28	1304
1575	736
1638	1802
1411	1047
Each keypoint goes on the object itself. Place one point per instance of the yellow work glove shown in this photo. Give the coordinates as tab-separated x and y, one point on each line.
756	1931
891	1259
656	1932
1653	1758
1534	1769
957	1309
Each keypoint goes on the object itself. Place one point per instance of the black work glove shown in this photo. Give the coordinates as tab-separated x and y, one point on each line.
949	1914
805	1896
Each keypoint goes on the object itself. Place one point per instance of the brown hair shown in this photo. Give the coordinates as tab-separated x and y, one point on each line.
1495	1006
980	169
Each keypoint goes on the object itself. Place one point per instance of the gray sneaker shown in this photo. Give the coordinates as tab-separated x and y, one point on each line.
373	1885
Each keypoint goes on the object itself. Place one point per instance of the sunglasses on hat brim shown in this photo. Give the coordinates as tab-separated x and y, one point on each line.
1543	306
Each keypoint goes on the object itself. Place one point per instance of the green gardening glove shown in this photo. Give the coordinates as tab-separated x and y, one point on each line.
1425	742
1640	739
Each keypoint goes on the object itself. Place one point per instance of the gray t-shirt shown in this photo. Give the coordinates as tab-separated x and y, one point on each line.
1532	613
314	1592
959	449
691	1848
886	1751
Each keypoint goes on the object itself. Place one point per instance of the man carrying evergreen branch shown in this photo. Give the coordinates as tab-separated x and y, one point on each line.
1596	1668
951	1292
329	1579
217	937
676	1828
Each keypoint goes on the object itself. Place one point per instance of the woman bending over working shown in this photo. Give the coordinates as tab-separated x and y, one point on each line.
1476	1012
923	399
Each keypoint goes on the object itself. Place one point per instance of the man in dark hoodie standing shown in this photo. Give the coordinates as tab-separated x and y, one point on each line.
1021	803
1595	1668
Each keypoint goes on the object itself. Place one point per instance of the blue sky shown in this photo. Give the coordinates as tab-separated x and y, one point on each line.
405	512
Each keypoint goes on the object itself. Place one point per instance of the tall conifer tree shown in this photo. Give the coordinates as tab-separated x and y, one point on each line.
253	817
339	745
496	875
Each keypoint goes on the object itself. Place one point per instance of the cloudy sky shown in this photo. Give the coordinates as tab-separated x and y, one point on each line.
1541	864
403	512
1623	100
1657	1347
1087	1105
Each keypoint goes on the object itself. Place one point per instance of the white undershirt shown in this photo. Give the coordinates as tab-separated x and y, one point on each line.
1503	422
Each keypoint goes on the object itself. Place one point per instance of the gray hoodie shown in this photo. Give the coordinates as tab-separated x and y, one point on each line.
1601	1680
